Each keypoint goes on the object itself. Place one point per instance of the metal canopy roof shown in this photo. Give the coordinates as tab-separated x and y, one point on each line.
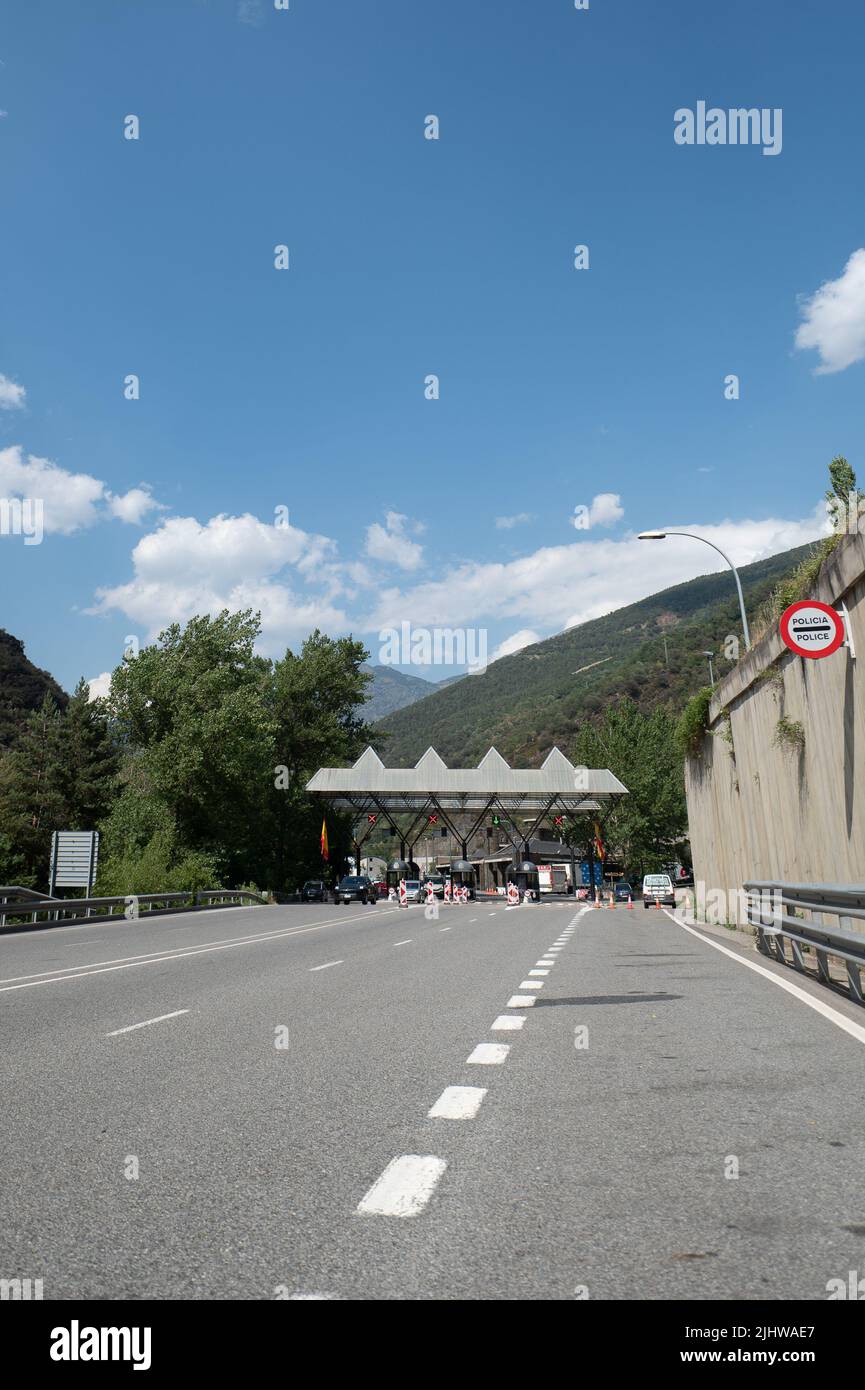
556	784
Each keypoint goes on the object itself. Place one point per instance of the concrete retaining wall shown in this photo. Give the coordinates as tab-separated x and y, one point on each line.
758	810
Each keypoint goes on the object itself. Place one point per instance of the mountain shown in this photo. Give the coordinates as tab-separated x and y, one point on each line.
22	687
535	699
392	690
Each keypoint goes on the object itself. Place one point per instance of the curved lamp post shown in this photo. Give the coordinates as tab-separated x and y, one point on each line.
662	535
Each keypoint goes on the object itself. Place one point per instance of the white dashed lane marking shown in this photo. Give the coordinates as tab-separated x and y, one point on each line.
539	972
404	1187
520	1001
507	1022
458	1103
407	942
531	984
326	966
489	1054
146	1024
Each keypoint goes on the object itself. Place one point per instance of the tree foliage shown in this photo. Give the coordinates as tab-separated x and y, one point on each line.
646	828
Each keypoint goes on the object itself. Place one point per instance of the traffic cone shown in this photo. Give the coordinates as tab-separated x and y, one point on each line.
630	904
598	902
611	903
657	903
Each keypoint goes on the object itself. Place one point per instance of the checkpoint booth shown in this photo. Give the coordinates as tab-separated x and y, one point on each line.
524	874
462	875
400	868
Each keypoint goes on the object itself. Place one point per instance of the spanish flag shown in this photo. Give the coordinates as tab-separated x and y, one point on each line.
599	844
325	854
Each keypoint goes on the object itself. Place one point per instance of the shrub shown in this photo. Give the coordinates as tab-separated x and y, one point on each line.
789	733
160	867
693	724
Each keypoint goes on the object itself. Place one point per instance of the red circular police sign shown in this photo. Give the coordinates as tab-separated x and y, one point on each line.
812	628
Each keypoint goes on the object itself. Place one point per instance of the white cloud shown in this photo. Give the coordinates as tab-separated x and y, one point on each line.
507	523
11	394
558	586
526	637
99	685
132	506
184	568
604	510
834	318
390	544
71	501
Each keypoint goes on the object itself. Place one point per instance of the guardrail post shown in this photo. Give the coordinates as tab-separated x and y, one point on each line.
853	976
823	966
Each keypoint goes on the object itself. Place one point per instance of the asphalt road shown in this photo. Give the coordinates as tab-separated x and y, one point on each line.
275	1107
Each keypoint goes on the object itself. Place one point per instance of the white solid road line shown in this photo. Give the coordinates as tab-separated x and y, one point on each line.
73	972
840	1020
520	1001
146	1024
531	984
326	966
458	1103
404	1187
489	1054
506	1023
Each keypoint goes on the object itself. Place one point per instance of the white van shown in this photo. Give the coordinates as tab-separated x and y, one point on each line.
658	887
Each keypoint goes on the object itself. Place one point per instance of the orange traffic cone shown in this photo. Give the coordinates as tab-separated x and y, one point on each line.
658	903
630	904
611	903
598	902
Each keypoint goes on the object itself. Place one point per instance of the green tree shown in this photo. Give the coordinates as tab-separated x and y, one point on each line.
32	803
647	826
191	710
88	772
316	701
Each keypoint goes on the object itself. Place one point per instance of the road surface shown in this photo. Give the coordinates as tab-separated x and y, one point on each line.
282	1102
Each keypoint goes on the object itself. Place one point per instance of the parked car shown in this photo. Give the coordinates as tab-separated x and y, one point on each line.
658	887
622	891
314	891
412	890
354	888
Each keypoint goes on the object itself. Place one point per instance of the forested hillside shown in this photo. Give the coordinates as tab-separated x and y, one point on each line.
537	698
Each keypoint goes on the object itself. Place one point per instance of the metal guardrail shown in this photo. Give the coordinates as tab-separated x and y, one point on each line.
774	908
26	904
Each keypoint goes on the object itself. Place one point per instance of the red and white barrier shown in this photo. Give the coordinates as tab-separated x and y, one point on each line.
430	893
513	893
403	895
447	890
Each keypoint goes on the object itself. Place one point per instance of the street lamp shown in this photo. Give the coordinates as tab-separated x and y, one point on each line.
711	672
662	536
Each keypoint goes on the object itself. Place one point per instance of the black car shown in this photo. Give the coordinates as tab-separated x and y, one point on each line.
622	891
355	889
314	891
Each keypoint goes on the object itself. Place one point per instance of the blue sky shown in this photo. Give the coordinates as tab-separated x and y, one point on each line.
304	388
